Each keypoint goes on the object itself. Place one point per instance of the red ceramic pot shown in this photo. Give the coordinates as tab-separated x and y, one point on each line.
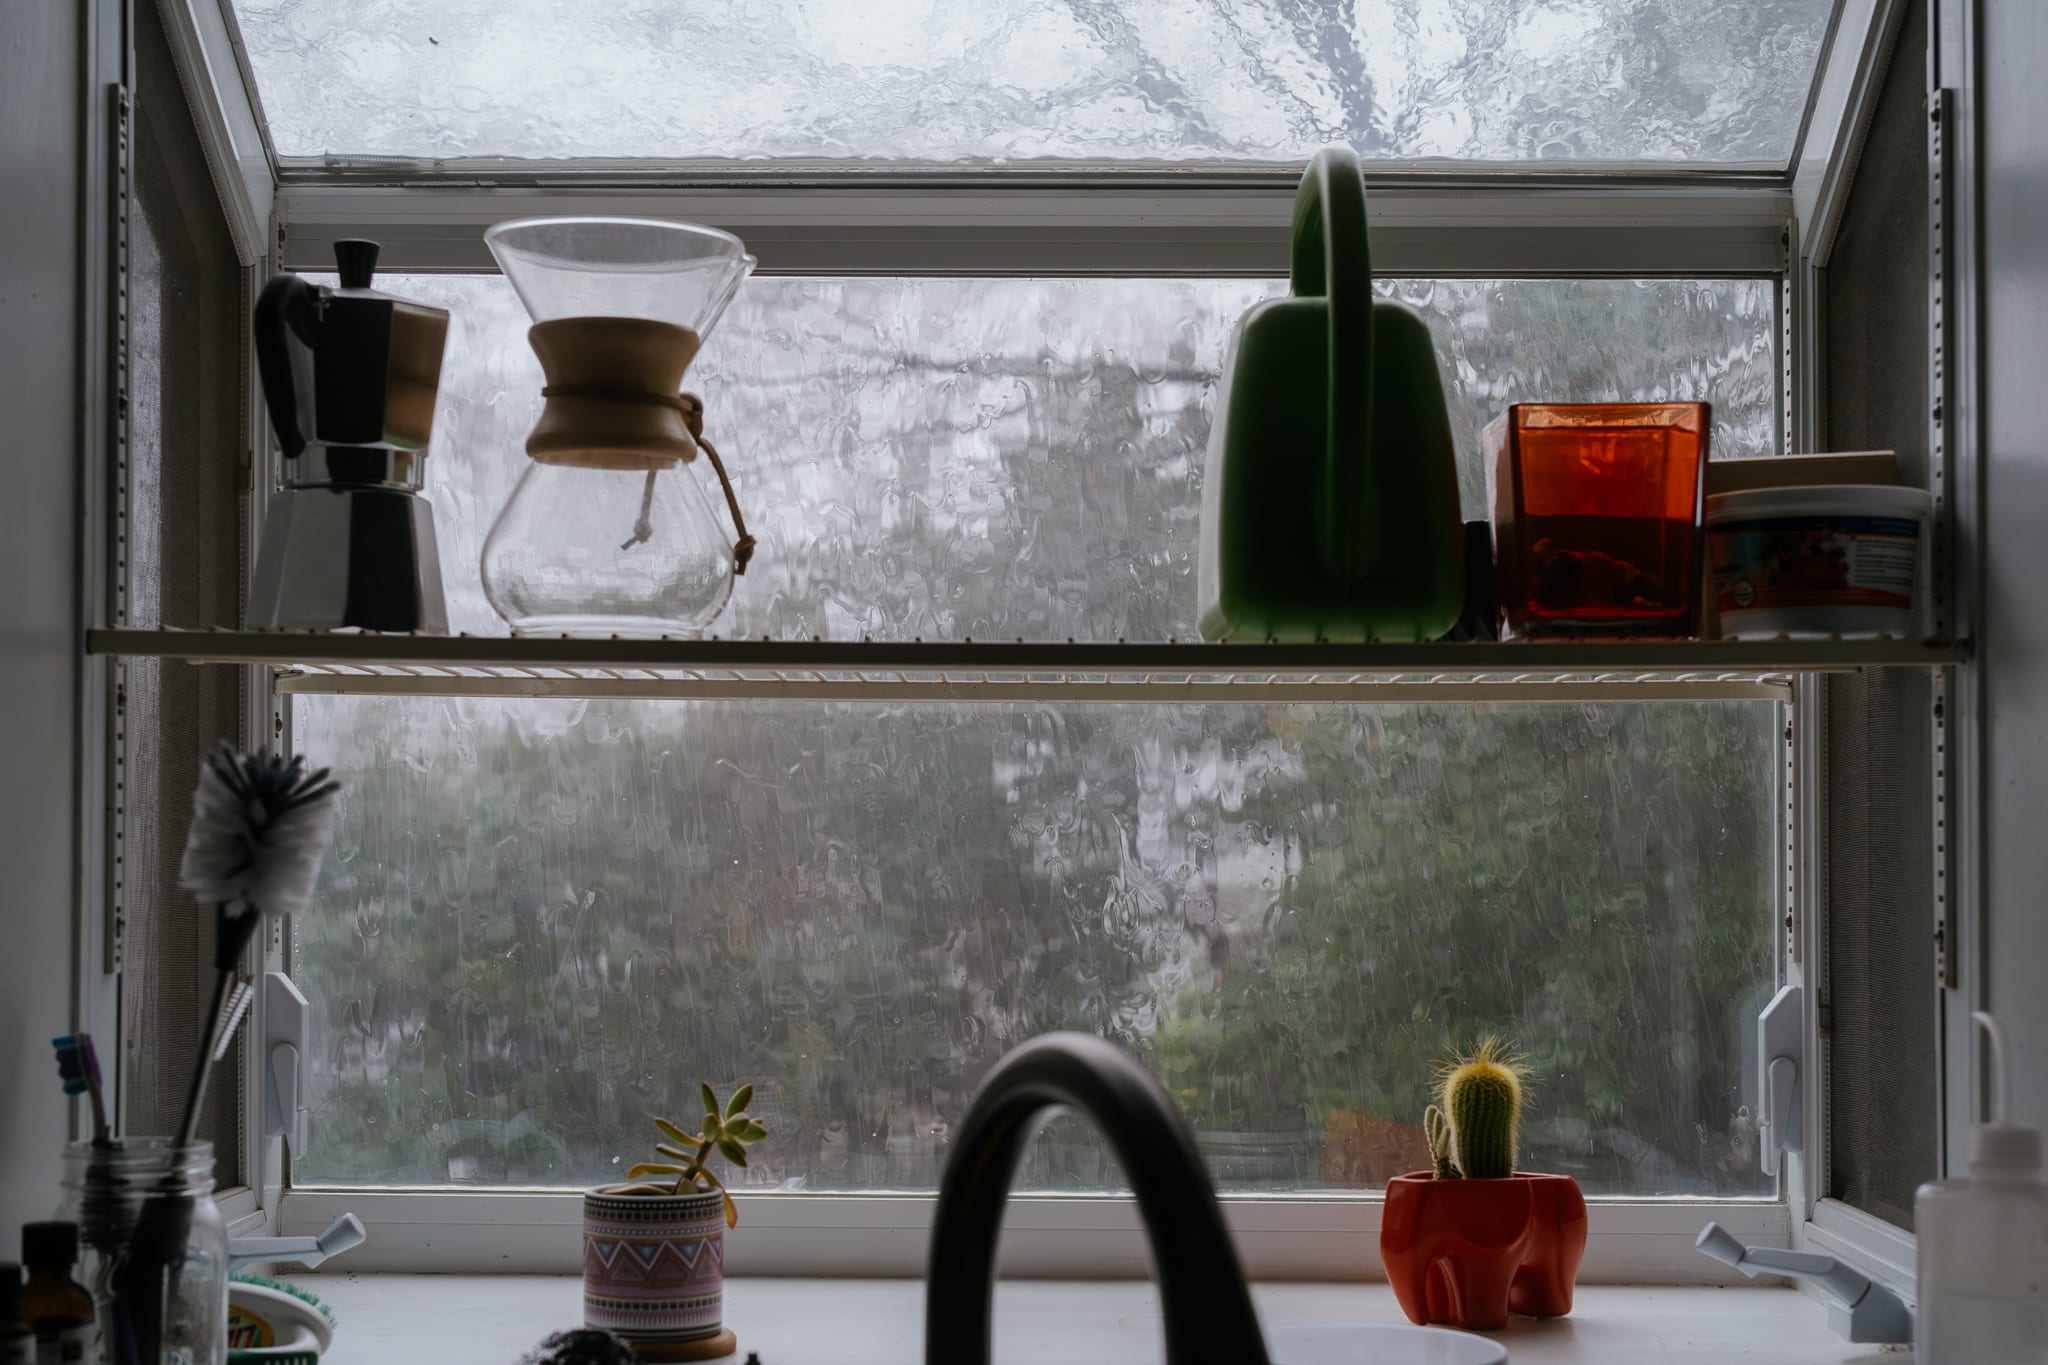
1466	1253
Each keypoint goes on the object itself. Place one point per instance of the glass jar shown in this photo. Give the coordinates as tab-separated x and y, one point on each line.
154	1250
1596	517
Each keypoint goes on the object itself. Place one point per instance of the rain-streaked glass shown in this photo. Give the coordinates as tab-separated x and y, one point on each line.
998	458
979	82
544	920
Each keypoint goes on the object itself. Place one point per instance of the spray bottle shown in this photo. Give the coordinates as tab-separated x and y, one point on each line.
1983	1243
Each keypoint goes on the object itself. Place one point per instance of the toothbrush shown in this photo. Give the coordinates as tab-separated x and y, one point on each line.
79	1065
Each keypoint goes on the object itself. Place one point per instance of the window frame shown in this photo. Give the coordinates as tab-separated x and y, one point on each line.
1473	221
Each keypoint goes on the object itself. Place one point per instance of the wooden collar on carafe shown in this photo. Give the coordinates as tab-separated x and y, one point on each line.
604	369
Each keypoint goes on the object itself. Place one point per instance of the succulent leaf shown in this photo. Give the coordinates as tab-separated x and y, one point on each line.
728	1132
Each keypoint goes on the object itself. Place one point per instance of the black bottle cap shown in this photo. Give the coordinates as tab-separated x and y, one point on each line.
49	1244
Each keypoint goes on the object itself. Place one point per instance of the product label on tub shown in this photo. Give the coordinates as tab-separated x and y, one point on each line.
1814	562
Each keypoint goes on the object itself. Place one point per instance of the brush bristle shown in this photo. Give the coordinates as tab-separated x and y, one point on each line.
232	1010
77	1063
260	824
286	1287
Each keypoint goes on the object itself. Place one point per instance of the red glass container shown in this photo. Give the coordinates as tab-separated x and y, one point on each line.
1596	517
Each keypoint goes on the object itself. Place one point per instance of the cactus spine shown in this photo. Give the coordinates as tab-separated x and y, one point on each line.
1482	1098
1437	1129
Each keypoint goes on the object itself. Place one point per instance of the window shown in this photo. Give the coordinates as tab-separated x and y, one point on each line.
967	398
538	911
544	918
1004	458
956	82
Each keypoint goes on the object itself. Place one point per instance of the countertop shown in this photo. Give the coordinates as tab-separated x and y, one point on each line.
495	1319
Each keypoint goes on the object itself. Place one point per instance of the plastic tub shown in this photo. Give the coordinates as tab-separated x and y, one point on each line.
1827	560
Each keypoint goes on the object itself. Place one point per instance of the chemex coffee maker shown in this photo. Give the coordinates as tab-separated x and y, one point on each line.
350	376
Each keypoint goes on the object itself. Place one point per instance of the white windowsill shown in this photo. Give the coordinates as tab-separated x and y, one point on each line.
495	1319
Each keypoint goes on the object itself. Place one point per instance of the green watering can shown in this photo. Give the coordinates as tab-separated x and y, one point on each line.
1330	510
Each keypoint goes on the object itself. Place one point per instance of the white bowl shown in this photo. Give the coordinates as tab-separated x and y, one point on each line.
1371	1344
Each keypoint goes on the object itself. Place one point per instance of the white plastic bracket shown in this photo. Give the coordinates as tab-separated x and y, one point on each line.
284	1050
1781	1072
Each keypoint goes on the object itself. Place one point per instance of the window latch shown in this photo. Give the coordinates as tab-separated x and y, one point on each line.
284	1051
343	1234
1781	1073
1859	1308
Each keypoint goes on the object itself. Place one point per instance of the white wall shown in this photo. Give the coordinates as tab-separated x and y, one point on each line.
41	116
2013	52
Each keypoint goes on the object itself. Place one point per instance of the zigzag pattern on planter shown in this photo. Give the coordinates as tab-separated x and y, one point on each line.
618	1261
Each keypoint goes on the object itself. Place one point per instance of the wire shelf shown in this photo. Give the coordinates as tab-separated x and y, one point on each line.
991	671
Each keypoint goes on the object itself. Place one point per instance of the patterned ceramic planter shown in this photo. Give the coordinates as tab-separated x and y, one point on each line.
654	1266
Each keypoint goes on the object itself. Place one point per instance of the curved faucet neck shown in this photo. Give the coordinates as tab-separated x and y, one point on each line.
1207	1308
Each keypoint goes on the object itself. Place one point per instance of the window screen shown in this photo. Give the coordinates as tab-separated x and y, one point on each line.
183	567
1879	973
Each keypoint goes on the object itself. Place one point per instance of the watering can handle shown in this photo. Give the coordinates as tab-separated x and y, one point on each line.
1331	258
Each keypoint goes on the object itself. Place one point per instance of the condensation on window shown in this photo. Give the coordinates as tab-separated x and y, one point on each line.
980	82
544	921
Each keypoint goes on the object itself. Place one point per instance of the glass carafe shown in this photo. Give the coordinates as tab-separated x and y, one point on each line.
615	526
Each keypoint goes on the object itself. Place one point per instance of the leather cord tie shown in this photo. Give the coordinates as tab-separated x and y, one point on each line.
692	409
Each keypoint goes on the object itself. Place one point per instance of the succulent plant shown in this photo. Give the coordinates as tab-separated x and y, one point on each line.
728	1132
1482	1102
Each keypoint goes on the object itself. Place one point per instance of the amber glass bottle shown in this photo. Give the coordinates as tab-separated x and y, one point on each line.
58	1308
17	1342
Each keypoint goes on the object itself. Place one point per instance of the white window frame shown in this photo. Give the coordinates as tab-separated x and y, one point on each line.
1481	223
1823	174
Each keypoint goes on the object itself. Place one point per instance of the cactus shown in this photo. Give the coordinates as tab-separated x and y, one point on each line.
1437	1129
1482	1098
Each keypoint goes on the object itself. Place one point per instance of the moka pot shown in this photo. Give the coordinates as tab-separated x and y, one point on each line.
350	376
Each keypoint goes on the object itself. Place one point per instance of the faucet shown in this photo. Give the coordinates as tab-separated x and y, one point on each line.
1208	1309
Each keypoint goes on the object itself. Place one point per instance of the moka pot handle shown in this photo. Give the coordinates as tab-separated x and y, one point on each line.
287	302
1330	258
